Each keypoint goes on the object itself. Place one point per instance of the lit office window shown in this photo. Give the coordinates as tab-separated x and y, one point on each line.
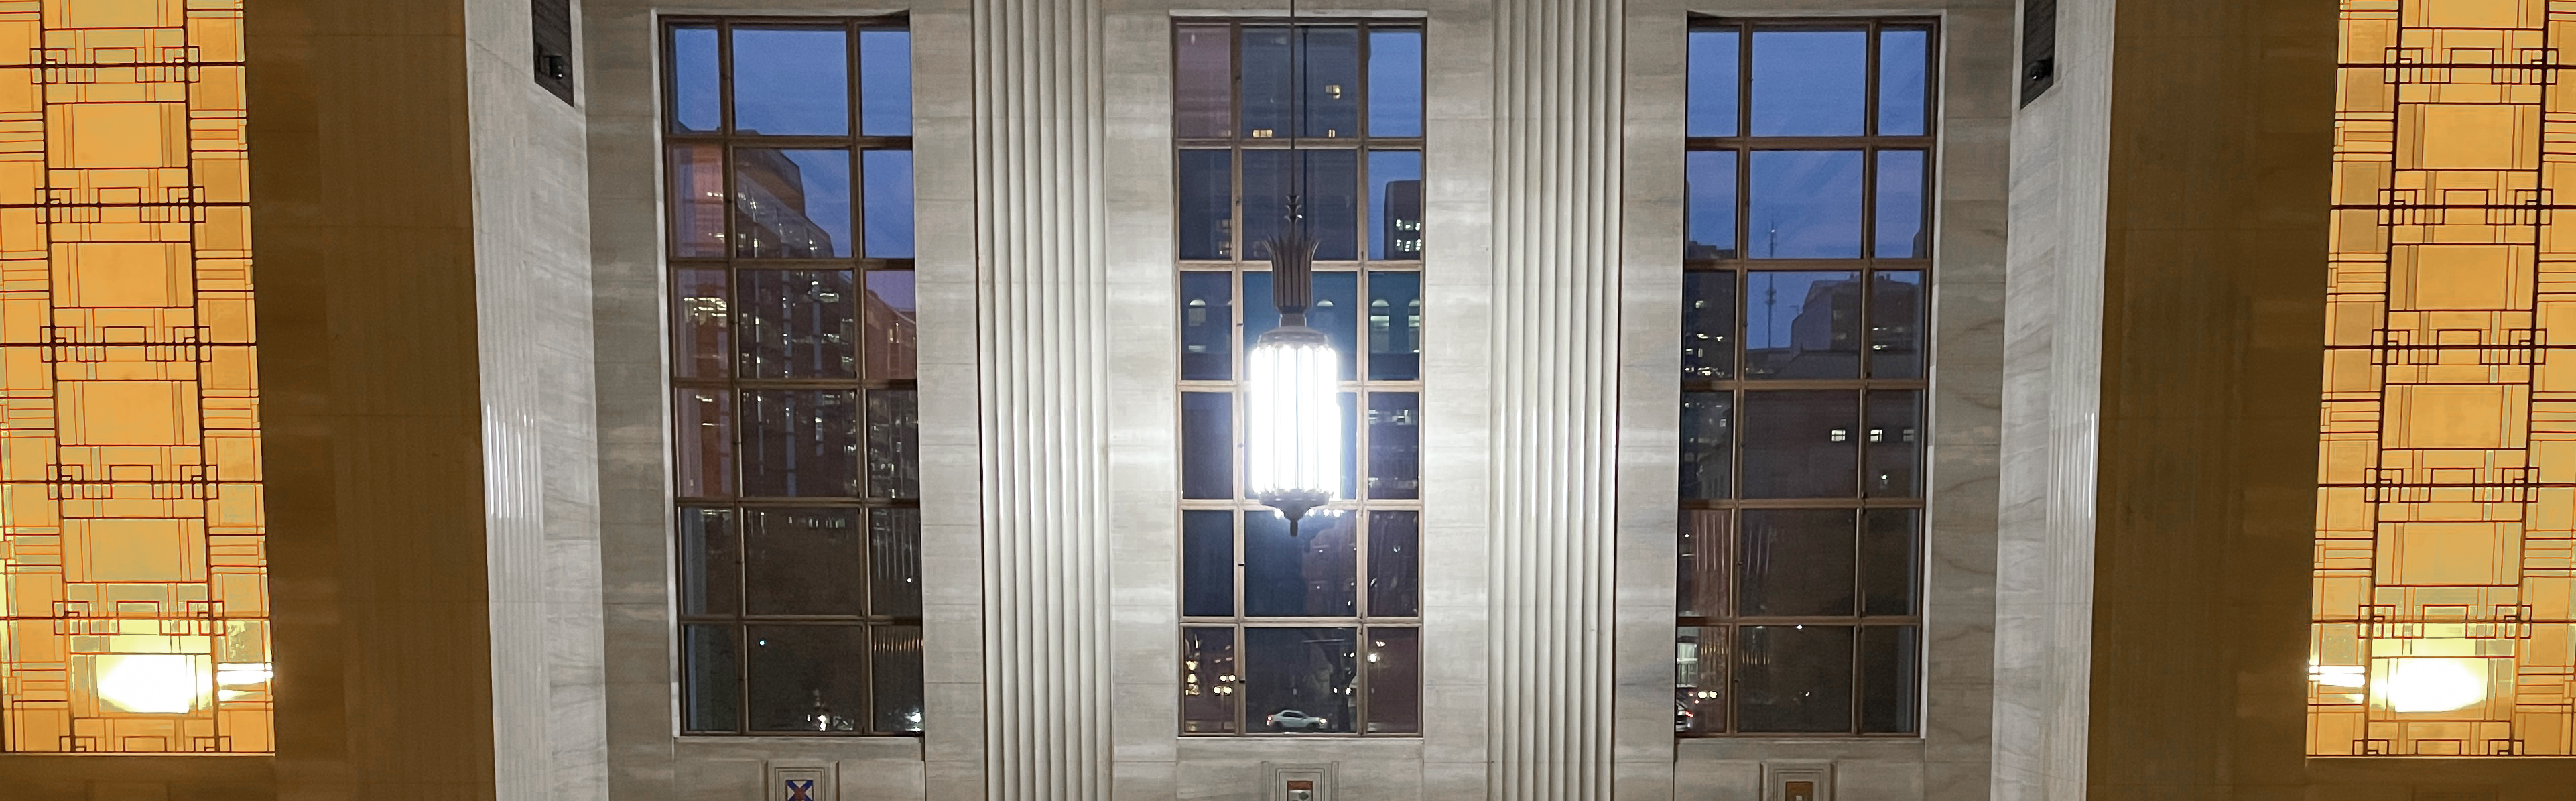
133	558
1801	540
1317	633
2443	623
797	467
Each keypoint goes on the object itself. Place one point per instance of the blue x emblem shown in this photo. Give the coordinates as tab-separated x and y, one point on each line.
800	790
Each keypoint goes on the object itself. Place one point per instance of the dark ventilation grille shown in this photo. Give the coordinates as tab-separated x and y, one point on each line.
2038	48
550	26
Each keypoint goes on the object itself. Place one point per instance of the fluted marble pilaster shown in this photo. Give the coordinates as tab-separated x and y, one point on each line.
1043	320
1555	343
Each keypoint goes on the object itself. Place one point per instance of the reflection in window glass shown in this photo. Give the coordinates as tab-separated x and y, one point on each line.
802	677
1895	325
1395	83
1703	570
1899	220
1313	574
1810	83
1393	443
1891	545
1207	204
795	441
1806	204
1708	325
1803	444
1329	55
1794	678
1802	325
1326	183
1208	680
1207	326
889	202
1699	680
1395	569
1207	445
1887	694
1202	89
791	81
1893	468
1794	563
1395	205
791	204
1708	468
1207	563
696	85
885	82
1903	58
1300	680
1714	60
803	562
1266	85
1395	326
1394	680
1708	184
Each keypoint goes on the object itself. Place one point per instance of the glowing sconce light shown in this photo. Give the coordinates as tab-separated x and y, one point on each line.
1292	427
149	683
2432	684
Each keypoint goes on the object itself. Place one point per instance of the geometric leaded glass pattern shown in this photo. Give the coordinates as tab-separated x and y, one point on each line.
2447	502
133	571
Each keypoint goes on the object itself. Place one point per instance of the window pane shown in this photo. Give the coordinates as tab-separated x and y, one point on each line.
1713	63
889	199
1895	457
1801	444
1888	678
791	204
803	562
885	82
1394	680
1900	206
698	198
800	443
1394	443
1203	89
1330	56
696	96
1708	326
1395	569
1313	574
703	327
1267	85
892	334
1207	563
1903	55
1207	445
1208	680
1793	678
1207	204
808	678
1895	325
1395	326
895	674
1891	561
1336	298
1299	680
1395	205
894	562
1709	182
791	81
1810	83
1699	681
1207	326
894	436
710	562
1708	436
1703	574
1395	83
1806	204
1794	563
1802	325
713	663
1326	183
703	443
797	324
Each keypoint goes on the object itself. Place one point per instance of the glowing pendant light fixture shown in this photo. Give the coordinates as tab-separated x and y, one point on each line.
1292	417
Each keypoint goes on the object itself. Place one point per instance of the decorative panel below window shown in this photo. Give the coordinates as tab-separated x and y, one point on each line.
133	569
2446	520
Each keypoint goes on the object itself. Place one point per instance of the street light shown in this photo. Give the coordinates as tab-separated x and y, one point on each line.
1293	437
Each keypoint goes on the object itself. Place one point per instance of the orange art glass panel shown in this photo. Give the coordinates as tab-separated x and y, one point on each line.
133	570
2446	516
